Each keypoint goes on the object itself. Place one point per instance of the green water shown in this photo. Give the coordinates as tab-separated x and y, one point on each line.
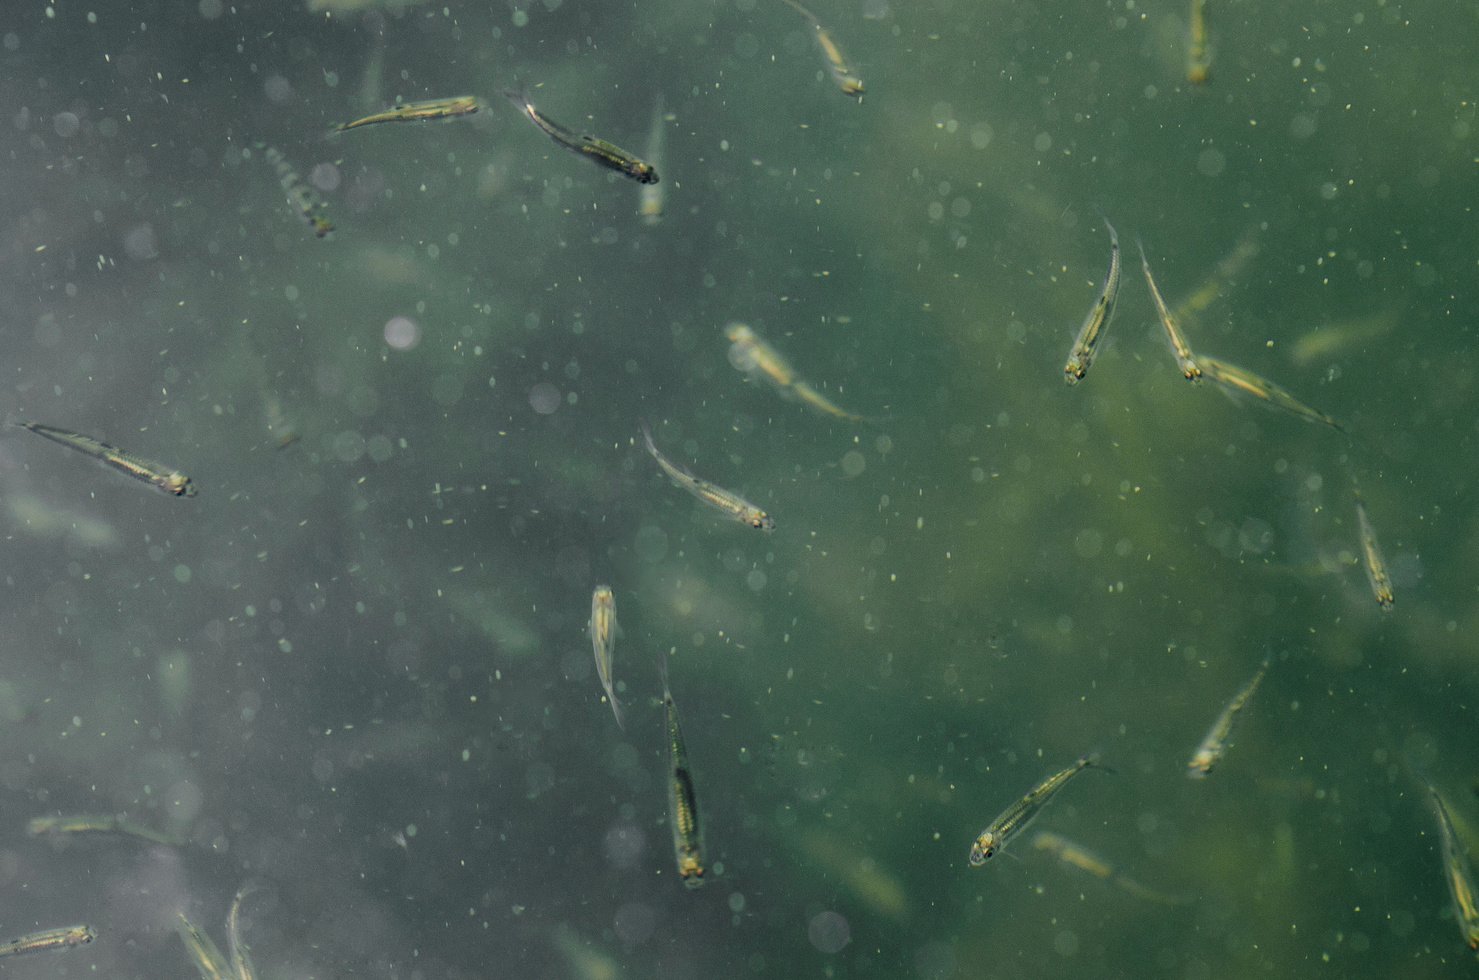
355	672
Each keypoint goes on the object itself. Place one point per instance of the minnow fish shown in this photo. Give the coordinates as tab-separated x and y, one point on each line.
49	939
417	112
731	504
1198	56
606	154
1086	344
1078	856
1458	873
602	628
652	195
204	952
1179	347
241	960
756	358
688	842
846	79
165	478
1210	752
1015	818
1238	381
62	825
302	197
1376	566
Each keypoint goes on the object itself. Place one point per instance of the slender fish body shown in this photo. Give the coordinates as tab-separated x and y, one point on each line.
1015	818
204	952
749	353
1238	381
1096	324
602	628
1228	268
843	75
652	195
1179	347
86	824
1198	55
1458	873
165	478
417	112
1214	746
304	199
1077	856
49	939
730	504
241	960
606	154
1376	566
683	816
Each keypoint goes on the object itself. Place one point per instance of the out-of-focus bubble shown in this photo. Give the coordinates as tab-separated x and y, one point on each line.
326	177
184	799
853	463
624	845
828	932
634	923
349	446
277	89
402	333
66	124
545	398
1211	162
139	242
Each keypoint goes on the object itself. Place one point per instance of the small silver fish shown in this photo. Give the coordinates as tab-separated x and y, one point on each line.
1179	347
49	939
165	478
603	629
1458	874
732	504
1015	818
1210	752
1096	324
688	840
1376	566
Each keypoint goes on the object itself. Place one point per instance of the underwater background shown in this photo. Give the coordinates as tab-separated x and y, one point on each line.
354	670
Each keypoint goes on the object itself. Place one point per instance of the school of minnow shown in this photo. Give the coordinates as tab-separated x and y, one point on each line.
1008	796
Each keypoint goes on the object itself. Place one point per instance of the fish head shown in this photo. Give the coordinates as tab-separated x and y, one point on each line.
761	520
645	173
851	85
1074	370
983	848
691	870
179	484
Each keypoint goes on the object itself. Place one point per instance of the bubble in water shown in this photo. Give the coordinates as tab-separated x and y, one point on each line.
402	333
545	398
828	932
